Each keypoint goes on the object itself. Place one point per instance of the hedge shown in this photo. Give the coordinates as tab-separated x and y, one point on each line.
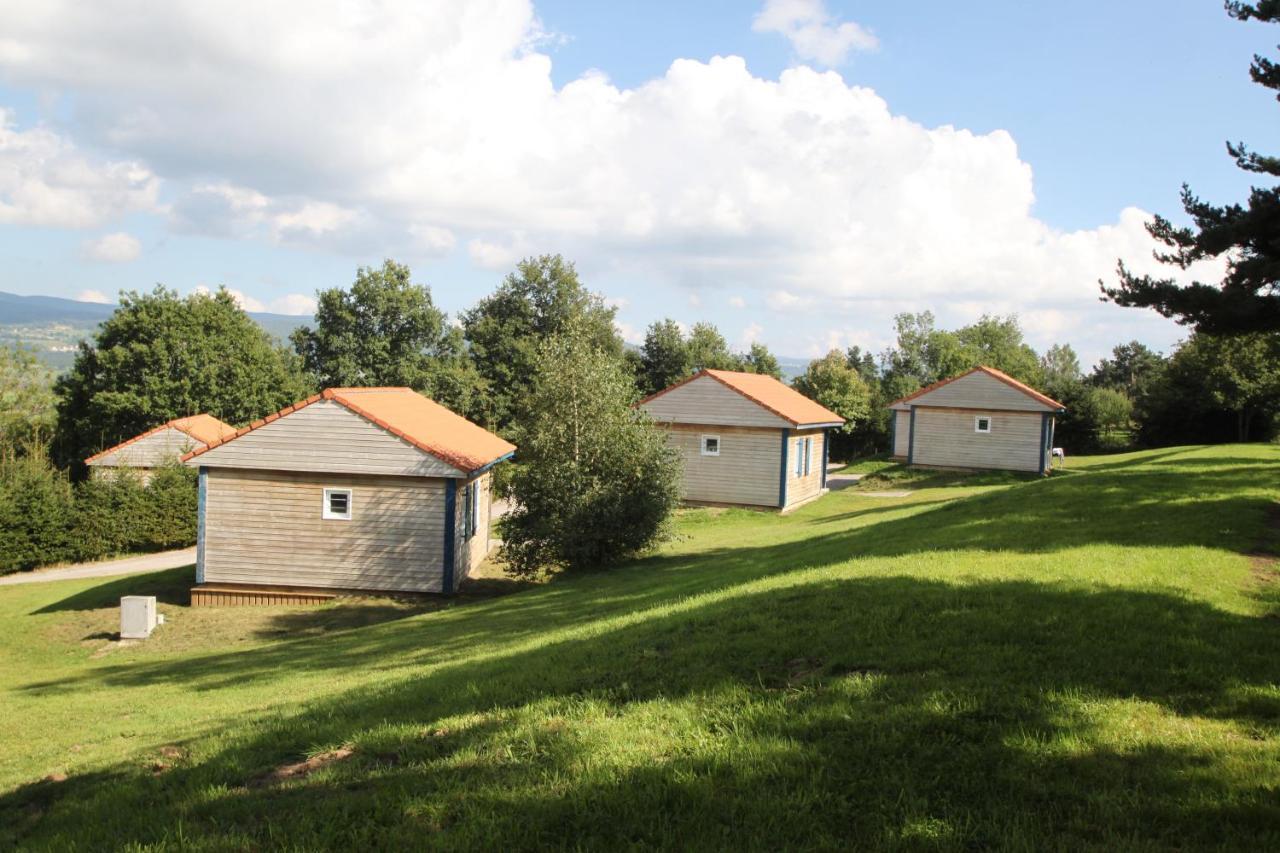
44	519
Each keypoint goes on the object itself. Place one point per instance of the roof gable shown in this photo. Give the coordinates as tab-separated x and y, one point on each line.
173	437
699	399
982	388
397	428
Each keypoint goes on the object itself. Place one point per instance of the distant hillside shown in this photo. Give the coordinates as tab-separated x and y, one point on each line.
53	326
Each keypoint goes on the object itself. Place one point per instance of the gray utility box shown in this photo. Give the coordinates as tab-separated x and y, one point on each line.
137	616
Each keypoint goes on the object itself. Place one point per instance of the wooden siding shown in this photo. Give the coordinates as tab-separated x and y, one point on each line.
902	433
707	401
265	527
160	447
469	553
980	391
946	437
803	487
325	437
745	472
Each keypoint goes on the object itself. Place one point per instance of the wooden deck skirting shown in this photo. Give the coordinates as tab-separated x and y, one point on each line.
237	595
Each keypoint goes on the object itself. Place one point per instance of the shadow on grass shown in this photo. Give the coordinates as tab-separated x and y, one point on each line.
172	586
885	711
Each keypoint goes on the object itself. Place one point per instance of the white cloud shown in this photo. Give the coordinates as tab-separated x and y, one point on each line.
114	248
333	124
45	181
94	296
813	33
629	333
618	302
750	335
695	301
737	302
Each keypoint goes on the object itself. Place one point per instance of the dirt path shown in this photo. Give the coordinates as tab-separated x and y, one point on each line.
106	568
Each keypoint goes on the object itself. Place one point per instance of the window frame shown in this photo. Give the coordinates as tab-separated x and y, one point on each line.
702	444
798	469
977	424
326	506
470	510
808	454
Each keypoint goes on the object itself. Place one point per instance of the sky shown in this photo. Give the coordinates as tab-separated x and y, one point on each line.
795	171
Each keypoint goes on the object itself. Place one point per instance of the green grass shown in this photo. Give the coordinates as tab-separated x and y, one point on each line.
1090	660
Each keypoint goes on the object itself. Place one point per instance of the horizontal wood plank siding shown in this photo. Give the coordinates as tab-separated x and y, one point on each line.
947	438
265	527
902	433
469	553
707	401
803	487
325	437
150	452
980	391
745	472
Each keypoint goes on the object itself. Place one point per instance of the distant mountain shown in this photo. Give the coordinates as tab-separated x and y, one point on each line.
53	325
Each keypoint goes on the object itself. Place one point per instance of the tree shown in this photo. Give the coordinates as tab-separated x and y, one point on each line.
26	401
1131	367
386	331
995	342
759	360
596	482
833	383
664	357
158	357
1240	374
709	350
1110	409
925	354
864	362
505	329
1060	370
1248	297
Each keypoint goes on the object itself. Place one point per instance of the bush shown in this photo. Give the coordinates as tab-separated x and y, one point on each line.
46	520
596	481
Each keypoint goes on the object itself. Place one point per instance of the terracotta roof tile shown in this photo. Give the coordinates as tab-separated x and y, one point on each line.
995	374
203	428
405	413
787	403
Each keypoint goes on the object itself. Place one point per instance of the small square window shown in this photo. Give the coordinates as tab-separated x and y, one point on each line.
337	504
711	445
982	424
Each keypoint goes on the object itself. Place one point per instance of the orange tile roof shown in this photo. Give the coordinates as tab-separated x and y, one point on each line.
405	413
787	403
995	374
203	428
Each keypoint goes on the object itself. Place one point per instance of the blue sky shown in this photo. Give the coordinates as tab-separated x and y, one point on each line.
786	206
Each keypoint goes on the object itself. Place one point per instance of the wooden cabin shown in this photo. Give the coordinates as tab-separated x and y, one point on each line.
745	439
166	443
354	489
982	419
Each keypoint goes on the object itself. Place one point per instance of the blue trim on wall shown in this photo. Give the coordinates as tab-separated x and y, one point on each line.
1043	442
782	473
200	511
826	450
911	438
450	522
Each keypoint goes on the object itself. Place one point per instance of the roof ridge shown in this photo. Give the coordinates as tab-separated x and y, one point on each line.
994	373
172	423
719	376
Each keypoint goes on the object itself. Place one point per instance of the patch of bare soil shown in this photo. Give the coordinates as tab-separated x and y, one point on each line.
302	769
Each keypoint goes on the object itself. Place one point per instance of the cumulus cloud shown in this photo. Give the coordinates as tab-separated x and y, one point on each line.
45	180
750	335
114	248
94	296
293	303
814	35
737	302
441	124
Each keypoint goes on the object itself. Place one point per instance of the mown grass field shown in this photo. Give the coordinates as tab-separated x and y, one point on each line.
1086	661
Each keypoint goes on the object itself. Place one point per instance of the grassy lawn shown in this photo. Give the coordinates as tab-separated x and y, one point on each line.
1090	660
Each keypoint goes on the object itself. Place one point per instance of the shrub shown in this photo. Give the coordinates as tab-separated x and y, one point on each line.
596	481
36	513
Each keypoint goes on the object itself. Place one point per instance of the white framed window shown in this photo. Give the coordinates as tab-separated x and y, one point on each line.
337	505
982	423
711	445
799	457
471	509
808	455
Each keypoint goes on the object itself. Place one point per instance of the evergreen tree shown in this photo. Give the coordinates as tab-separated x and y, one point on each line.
160	357
505	329
1248	297
596	482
